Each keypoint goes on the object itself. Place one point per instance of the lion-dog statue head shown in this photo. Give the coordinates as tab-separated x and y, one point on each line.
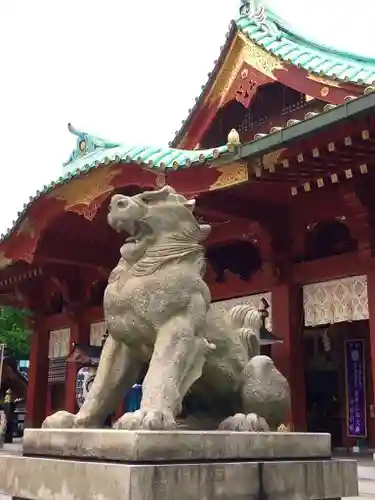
162	229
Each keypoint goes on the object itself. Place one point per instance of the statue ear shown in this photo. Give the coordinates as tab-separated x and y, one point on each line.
159	195
204	230
190	204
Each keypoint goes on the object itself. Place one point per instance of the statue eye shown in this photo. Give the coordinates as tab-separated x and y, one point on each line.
146	200
121	204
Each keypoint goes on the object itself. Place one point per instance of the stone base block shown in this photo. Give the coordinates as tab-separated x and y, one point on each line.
162	446
166	466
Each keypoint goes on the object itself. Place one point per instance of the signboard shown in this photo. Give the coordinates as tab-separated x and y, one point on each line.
84	380
356	422
133	398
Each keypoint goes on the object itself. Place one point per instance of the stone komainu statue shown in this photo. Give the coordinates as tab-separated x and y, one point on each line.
157	312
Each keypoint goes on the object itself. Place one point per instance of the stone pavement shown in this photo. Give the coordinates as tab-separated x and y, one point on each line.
366	473
11	449
366	476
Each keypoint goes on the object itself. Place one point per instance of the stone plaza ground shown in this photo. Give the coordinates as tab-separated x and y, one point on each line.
366	474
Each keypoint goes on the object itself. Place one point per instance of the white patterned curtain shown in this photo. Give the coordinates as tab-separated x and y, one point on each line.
59	343
336	301
251	300
97	331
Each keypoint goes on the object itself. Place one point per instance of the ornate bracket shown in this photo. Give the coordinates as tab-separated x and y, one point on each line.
266	244
358	221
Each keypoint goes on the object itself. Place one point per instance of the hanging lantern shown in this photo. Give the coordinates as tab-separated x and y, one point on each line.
326	341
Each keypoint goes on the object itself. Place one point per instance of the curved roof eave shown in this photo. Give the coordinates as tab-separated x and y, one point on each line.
92	152
295	33
269	31
207	86
273	34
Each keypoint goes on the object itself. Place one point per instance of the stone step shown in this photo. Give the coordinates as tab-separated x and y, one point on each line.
188	465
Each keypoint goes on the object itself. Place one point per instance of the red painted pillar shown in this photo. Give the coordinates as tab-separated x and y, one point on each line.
371	369
287	324
120	410
36	403
79	334
49	409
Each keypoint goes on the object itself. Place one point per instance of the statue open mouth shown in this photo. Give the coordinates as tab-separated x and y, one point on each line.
137	232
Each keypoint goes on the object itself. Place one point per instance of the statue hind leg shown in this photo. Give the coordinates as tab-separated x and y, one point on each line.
117	372
176	363
265	398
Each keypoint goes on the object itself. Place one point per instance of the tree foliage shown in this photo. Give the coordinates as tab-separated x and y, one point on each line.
13	331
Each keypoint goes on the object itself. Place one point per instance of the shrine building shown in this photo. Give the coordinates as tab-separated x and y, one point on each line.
292	216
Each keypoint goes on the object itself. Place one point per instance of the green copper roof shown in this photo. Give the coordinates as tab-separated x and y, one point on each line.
260	25
266	29
92	151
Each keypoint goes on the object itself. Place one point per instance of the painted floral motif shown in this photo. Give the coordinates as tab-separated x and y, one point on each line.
336	301
59	343
97	330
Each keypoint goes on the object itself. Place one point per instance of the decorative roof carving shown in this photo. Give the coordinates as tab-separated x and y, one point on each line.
256	12
86	144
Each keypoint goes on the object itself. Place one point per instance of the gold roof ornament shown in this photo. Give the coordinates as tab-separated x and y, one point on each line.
8	396
283	428
369	90
233	140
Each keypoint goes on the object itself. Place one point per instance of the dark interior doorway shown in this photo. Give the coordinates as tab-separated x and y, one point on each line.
322	388
323	404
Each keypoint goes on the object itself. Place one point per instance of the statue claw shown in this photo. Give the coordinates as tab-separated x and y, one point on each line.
60	420
146	420
66	420
245	423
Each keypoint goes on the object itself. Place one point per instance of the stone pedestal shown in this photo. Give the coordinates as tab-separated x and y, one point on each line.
181	465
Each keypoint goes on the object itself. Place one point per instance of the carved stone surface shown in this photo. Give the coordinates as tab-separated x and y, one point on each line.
188	469
162	446
157	312
40	479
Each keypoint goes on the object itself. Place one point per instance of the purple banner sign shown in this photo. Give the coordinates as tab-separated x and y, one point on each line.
356	423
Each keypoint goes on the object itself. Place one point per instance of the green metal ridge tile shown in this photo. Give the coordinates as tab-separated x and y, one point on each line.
92	152
308	55
263	27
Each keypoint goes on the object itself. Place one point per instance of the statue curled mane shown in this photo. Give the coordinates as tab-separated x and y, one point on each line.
163	226
158	316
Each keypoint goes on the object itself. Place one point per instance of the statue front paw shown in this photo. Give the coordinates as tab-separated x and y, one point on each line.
60	420
245	423
66	420
147	420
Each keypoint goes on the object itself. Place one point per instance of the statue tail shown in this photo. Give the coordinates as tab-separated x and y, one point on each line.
247	321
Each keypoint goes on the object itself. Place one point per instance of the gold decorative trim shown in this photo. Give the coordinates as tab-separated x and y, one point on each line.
27	228
259	58
160	180
4	261
227	74
230	175
269	160
283	428
242	51
84	190
323	81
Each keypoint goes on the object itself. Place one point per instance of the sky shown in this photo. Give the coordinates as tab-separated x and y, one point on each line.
125	71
